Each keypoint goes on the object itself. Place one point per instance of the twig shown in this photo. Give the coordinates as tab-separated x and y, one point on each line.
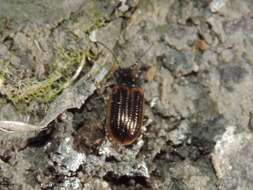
14	126
78	71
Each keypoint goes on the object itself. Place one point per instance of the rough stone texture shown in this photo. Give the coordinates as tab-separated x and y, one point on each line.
231	159
196	68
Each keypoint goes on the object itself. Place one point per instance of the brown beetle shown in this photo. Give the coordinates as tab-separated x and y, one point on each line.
125	108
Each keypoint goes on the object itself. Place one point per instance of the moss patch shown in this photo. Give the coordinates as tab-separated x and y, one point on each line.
31	89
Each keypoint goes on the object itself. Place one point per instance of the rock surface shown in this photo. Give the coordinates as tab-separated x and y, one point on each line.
195	63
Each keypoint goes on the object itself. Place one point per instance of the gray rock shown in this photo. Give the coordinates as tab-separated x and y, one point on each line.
70	183
234	79
232	158
67	157
96	184
233	8
217	27
194	177
180	64
46	12
194	93
180	37
217	5
180	134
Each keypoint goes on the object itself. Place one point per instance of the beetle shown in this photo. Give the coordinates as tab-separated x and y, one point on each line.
125	108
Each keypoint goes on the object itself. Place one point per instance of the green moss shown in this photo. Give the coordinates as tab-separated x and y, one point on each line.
43	91
2	102
148	5
3	24
4	67
61	72
96	23
23	89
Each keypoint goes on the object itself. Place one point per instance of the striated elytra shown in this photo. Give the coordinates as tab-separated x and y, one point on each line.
125	114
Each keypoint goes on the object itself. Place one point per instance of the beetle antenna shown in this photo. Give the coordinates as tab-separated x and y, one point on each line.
144	53
113	54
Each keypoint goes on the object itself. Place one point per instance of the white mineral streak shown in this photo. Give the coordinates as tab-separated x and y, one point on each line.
143	169
71	183
93	36
178	135
124	7
228	145
216	5
68	157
